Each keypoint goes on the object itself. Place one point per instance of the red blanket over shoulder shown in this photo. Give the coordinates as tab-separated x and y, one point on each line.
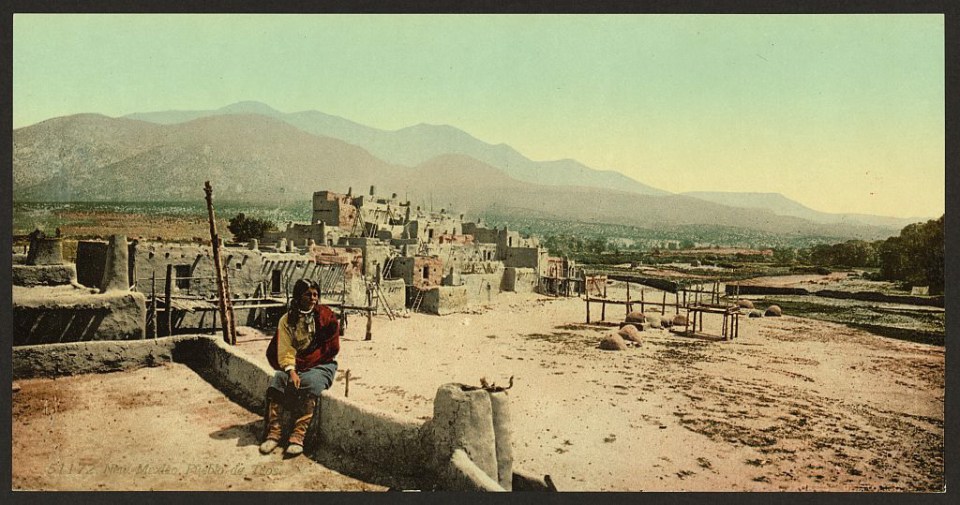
322	349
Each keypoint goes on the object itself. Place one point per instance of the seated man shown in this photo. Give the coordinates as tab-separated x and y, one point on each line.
303	353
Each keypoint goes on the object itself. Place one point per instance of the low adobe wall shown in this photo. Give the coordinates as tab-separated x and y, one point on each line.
465	446
43	275
482	288
39	317
475	289
394	293
443	300
520	280
56	360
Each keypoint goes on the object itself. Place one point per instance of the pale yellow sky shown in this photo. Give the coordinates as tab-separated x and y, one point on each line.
842	113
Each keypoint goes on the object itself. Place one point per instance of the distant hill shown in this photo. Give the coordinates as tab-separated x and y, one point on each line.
416	144
248	157
783	206
475	187
257	159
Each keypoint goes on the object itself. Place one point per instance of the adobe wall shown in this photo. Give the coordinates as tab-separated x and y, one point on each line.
467	258
43	275
394	292
302	233
374	253
522	257
42	316
244	268
428	228
411	271
443	300
481	234
482	288
520	280
334	209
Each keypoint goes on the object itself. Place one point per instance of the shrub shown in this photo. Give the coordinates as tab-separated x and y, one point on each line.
245	228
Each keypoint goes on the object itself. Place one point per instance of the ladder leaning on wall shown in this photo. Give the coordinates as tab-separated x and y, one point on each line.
418	299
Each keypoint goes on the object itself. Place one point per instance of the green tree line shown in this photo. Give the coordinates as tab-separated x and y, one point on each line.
914	257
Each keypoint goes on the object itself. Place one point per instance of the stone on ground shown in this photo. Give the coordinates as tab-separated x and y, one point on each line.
630	332
636	317
773	311
745	304
613	342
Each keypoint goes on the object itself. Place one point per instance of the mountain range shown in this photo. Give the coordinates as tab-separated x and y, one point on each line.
784	206
416	144
253	153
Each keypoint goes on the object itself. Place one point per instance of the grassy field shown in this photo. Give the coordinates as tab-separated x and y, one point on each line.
903	322
173	222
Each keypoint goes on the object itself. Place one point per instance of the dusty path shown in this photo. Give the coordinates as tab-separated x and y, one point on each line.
158	428
794	404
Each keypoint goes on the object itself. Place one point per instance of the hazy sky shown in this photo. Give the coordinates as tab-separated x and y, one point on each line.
844	113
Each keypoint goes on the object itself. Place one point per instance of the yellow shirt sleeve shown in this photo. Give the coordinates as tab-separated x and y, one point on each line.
286	354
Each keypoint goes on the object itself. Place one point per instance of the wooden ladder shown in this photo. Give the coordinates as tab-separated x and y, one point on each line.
382	300
418	299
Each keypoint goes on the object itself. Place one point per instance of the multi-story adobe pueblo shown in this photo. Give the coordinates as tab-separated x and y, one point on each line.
366	250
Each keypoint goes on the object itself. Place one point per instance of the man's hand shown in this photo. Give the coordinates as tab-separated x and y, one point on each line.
295	379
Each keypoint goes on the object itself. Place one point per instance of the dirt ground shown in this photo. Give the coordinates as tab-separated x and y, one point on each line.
793	404
160	428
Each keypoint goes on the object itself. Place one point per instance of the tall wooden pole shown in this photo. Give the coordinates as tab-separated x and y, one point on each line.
167	298
223	293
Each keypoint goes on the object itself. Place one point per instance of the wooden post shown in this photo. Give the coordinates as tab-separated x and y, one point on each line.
642	309
168	314
603	306
226	307
369	335
628	298
663	304
346	384
232	321
153	303
587	293
676	302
